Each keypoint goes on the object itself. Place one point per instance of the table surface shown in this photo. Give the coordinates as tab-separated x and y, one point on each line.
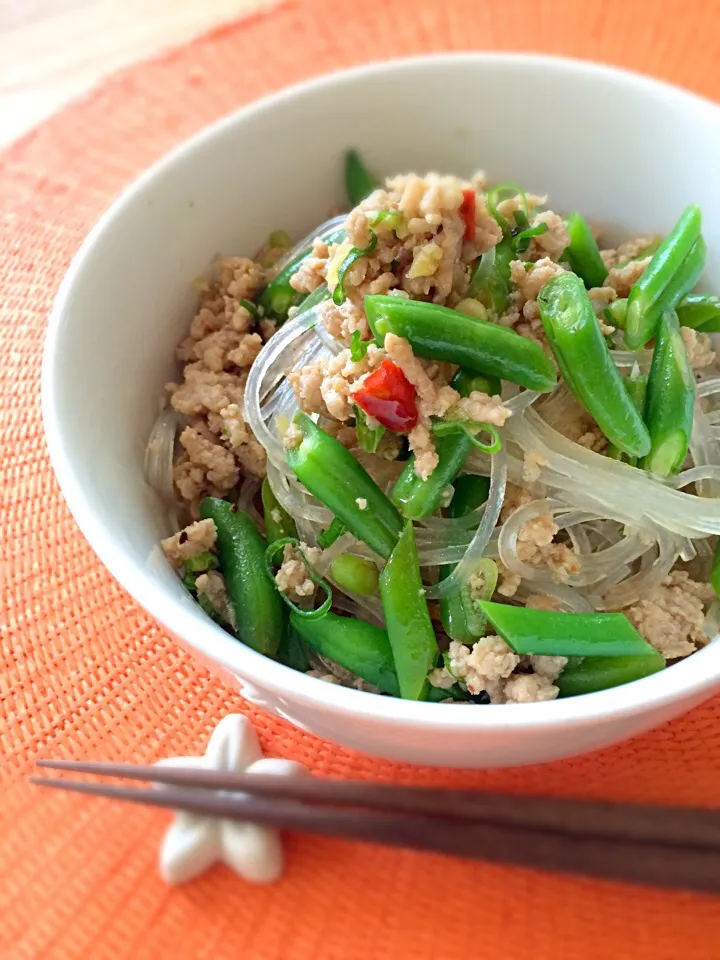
52	51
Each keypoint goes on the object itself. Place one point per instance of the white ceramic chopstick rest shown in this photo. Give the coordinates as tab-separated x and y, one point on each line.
193	843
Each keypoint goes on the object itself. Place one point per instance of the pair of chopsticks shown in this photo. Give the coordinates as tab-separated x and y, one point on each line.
662	846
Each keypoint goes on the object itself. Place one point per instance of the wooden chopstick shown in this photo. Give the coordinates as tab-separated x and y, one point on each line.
639	822
655	863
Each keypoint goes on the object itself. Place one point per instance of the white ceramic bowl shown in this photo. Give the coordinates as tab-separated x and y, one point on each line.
623	149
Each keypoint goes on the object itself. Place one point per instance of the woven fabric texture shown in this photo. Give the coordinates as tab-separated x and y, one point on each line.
85	673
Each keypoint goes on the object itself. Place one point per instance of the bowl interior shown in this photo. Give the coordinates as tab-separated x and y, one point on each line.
627	152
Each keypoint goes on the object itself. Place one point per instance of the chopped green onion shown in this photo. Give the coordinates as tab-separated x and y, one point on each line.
389	218
493	199
270	556
470	427
339	296
358	346
522	241
251	308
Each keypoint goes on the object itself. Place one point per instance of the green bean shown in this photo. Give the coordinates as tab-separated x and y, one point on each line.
359	182
589	674
616	313
292	651
360	647
278	522
328	537
470	492
410	629
461	615
636	386
201	562
355	574
715	569
417	498
241	550
670	400
279	295
490	279
364	650
648	297
443	334
333	475
700	312
582	253
548	633
467	382
585	362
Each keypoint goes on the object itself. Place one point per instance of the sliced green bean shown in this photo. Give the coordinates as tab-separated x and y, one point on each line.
410	629
470	492
359	182
278	522
360	647
648	298
443	334
461	614
549	633
490	279
256	603
590	674
670	403
355	574
636	386
574	336
292	651
583	254
715	570
700	312
468	381
333	475
279	295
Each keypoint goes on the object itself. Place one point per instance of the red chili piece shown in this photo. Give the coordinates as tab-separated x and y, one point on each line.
388	395
467	212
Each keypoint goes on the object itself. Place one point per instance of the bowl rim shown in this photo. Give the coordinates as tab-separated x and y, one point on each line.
690	677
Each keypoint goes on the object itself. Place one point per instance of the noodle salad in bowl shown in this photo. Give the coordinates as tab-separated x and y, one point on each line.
451	446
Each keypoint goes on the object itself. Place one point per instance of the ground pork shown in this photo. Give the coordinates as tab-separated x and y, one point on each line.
619	256
508	207
508	583
325	386
293	437
623	278
422	251
421	444
341	322
483	408
533	462
489	667
552	243
671	616
536	546
529	688
216	445
698	347
434	397
312	270
215	460
541	601
528	279
190	542
292	578
212	586
515	497
322	675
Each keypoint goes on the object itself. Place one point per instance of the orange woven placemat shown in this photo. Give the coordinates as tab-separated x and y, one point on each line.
86	673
